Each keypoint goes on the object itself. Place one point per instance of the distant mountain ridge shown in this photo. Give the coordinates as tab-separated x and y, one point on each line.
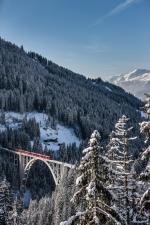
136	82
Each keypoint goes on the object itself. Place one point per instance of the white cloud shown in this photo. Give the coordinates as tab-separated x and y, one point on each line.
122	6
119	8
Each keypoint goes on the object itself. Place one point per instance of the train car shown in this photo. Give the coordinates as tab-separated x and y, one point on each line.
33	154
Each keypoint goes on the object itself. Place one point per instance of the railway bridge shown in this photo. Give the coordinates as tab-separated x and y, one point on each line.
25	160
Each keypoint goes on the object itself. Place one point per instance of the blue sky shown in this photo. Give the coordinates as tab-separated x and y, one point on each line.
92	37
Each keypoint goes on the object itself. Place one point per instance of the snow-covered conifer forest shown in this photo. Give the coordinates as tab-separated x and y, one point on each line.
97	128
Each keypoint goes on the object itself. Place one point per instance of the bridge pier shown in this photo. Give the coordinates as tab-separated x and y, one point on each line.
21	167
62	171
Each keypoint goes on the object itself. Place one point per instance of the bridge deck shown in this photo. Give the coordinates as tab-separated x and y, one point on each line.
36	157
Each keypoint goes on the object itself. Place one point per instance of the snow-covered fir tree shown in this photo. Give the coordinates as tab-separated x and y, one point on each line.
145	125
17	209
145	176
92	198
122	180
5	202
145	129
145	205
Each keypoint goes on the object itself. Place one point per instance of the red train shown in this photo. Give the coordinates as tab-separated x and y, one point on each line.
33	154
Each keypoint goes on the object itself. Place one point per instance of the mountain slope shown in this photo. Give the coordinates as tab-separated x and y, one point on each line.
30	82
50	138
136	82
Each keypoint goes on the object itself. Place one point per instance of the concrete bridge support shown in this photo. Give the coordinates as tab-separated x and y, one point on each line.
21	167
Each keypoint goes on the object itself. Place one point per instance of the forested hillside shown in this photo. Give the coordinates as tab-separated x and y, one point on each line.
110	185
30	82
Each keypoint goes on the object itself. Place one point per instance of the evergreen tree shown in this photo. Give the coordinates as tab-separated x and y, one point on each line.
145	205
145	126
17	210
5	202
145	129
2	117
92	196
37	146
145	176
122	179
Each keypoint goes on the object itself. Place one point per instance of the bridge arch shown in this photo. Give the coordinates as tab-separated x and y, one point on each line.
30	164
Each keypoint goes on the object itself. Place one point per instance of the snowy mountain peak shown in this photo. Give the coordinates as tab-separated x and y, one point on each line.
138	72
135	73
136	82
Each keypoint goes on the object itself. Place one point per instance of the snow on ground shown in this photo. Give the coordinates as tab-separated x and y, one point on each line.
109	89
143	114
50	137
26	199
